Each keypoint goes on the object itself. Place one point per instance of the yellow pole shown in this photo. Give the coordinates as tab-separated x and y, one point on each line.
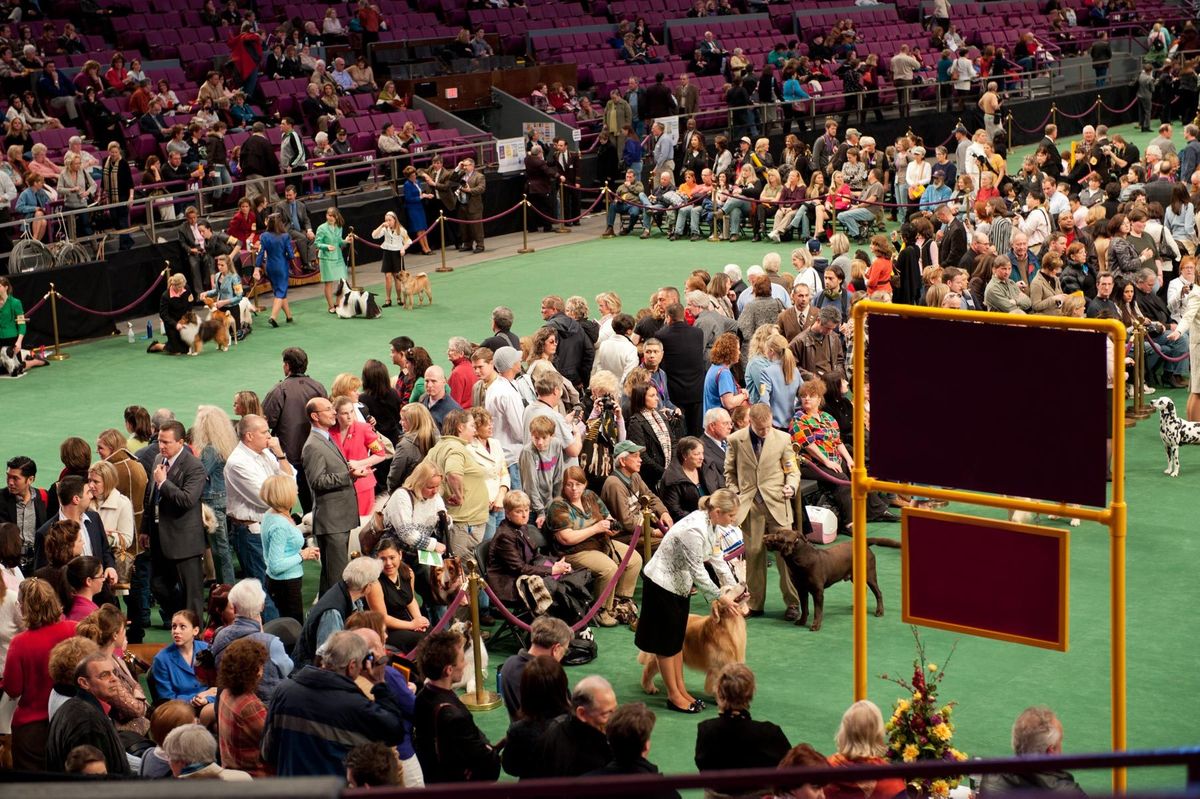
353	262
58	355
525	248
442	229
858	479
1010	130
1099	108
607	200
1054	113
481	699
1139	409
647	549
1117	529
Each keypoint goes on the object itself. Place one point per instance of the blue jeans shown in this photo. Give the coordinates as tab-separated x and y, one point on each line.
218	542
221	177
249	548
1173	349
614	209
734	209
688	215
853	218
514	477
801	226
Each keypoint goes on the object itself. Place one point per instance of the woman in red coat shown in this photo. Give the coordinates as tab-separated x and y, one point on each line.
861	741
246	51
360	444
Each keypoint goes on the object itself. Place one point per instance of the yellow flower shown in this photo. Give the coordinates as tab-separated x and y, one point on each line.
945	710
957	755
917	696
940	788
910	753
933	667
902	705
942	732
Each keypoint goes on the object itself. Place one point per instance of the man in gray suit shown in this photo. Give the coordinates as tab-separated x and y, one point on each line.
299	226
172	526
331	479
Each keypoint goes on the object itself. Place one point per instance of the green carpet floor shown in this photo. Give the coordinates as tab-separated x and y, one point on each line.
804	677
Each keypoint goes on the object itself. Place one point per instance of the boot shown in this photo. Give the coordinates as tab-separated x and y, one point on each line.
608	233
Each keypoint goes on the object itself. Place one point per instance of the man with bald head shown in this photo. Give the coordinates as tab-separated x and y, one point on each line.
331	480
575	744
436	398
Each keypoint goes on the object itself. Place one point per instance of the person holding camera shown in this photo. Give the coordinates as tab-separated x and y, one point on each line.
469	198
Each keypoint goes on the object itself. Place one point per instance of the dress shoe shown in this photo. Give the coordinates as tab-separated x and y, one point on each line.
886	516
606	619
478	248
608	233
273	323
1177	381
754	614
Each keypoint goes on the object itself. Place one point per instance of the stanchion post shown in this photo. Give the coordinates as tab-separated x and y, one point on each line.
1139	409
1010	130
481	699
442	230
647	549
562	209
607	199
525	248
58	355
1099	108
353	261
1054	113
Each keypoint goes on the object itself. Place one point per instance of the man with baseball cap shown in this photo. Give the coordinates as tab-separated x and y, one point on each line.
624	487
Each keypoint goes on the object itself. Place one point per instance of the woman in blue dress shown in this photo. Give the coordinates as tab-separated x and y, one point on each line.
275	252
414	206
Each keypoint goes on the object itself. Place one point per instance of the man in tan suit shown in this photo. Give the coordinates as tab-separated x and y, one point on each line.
801	316
761	467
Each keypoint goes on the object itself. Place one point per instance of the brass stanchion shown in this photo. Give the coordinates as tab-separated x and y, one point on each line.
607	199
562	209
1139	409
480	699
58	355
525	248
647	524
1054	113
1099	108
442	230
353	262
1010	130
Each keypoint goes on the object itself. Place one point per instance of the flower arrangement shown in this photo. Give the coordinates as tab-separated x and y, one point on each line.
920	728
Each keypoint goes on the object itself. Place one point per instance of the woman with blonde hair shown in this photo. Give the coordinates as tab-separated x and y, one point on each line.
246	403
609	305
675	569
420	434
174	304
106	627
486	449
131	479
861	740
213	440
347	385
115	509
415	515
396	242
719	289
283	547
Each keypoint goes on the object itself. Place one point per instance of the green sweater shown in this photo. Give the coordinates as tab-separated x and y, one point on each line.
12	318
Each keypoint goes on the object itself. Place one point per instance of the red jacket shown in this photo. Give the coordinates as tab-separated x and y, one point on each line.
246	51
462	380
27	671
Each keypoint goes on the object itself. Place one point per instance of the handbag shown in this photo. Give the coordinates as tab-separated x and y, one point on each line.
122	563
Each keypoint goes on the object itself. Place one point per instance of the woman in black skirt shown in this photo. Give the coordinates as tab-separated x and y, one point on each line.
667	581
396	242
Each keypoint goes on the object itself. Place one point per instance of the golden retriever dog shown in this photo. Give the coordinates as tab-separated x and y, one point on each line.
414	285
711	642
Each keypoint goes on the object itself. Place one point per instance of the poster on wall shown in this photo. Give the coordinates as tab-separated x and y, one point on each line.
545	130
510	154
670	126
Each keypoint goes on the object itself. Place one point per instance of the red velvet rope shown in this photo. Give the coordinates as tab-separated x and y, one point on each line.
1038	128
38	305
1119	110
497	604
591	208
447	617
1080	116
1163	355
117	312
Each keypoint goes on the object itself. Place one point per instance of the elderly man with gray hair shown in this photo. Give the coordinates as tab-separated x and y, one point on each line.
192	752
462	376
246	599
319	715
336	605
575	744
705	317
1036	732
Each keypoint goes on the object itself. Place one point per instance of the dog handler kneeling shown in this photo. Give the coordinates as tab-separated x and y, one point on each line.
667	583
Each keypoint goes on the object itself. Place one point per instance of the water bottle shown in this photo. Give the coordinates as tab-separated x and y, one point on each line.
149	330
132	337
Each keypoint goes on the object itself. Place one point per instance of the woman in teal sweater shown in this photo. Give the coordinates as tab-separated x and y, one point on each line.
283	547
329	241
12	323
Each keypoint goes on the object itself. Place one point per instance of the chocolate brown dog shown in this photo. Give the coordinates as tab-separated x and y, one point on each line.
814	569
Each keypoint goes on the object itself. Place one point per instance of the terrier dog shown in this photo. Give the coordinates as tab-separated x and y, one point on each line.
414	285
468	679
711	642
351	303
1174	431
813	569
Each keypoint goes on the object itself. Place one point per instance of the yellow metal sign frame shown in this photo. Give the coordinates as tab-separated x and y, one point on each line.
1114	516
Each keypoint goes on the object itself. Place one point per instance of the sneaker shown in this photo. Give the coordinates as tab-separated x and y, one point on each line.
1147	389
773	236
646	233
606	619
608	233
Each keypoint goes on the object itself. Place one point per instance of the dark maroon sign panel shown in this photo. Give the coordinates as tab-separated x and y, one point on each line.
1011	583
989	407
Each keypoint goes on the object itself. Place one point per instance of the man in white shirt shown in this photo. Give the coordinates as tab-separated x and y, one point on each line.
1036	225
1056	201
503	401
617	354
257	456
962	72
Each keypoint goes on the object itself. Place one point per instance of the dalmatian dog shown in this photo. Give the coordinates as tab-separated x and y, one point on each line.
1174	431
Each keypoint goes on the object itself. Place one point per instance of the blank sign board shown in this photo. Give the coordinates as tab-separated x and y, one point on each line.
989	407
986	577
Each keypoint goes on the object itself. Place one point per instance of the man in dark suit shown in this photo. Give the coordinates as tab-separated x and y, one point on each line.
299	226
191	244
660	102
439	179
683	361
258	162
717	427
23	505
331	480
566	164
687	96
954	235
172	526
540	180
284	409
74	498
